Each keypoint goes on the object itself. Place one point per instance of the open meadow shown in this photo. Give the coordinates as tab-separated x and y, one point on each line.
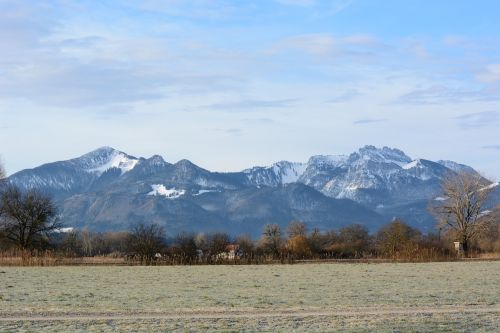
310	297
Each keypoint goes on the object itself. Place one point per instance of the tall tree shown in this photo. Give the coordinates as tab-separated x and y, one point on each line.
271	239
187	246
462	209
354	240
394	237
146	241
218	242
296	228
27	218
246	246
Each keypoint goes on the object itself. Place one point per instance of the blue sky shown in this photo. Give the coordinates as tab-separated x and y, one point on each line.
231	84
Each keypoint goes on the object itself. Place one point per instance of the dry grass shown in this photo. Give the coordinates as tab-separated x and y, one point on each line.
403	323
48	258
489	256
312	287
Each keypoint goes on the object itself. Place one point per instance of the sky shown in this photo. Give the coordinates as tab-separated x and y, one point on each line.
233	84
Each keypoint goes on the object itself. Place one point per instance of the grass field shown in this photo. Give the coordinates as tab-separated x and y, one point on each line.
455	296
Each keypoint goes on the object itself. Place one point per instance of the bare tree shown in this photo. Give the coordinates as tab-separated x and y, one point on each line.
461	210
88	242
96	243
187	246
354	240
489	239
27	218
218	242
201	242
296	228
146	241
317	241
246	246
396	237
271	239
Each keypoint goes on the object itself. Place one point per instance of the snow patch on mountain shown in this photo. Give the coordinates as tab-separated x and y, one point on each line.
457	167
412	164
327	160
200	192
289	172
116	160
161	190
493	185
384	155
157	161
64	230
425	170
279	173
484	213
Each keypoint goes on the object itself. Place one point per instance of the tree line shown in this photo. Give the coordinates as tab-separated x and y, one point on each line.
29	222
148	244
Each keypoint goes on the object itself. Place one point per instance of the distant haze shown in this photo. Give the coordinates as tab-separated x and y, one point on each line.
232	84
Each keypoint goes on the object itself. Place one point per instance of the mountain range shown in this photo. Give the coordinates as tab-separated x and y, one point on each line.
107	189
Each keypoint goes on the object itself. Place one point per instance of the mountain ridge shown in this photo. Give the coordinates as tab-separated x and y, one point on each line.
372	184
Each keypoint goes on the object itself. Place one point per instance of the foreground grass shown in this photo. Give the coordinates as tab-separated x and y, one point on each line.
25	291
412	323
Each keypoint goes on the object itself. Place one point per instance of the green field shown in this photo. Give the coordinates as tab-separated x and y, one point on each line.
454	296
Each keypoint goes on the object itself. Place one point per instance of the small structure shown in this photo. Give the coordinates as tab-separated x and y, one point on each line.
459	247
231	252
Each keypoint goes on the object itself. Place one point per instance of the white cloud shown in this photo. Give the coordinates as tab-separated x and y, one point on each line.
479	119
323	44
444	94
251	104
490	74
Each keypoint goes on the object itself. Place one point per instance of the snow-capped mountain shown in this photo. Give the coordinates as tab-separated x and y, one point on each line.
278	174
370	176
457	167
60	178
103	159
107	189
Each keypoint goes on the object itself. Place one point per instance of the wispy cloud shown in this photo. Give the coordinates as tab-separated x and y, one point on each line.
440	94
260	121
368	121
50	61
490	74
232	131
251	104
492	147
194	9
416	47
344	97
479	119
45	65
319	8
321	44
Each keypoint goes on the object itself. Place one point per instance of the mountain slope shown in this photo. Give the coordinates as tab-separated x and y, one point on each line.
107	189
76	175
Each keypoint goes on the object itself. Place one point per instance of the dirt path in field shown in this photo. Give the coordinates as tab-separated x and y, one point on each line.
251	314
